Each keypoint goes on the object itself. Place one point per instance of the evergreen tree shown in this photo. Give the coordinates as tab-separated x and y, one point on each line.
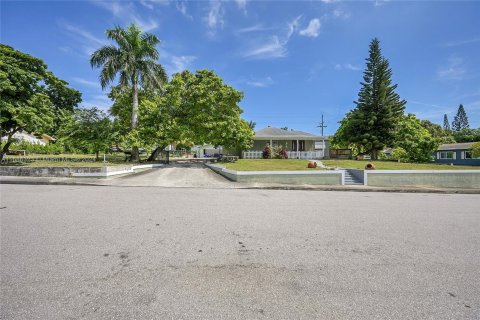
460	121
371	125
446	123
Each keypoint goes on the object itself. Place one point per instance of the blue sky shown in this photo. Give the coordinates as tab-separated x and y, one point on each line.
294	60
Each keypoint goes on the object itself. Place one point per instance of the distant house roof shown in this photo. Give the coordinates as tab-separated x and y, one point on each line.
277	133
456	146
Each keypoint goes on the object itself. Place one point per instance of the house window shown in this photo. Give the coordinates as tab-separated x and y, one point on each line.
301	145
446	155
468	155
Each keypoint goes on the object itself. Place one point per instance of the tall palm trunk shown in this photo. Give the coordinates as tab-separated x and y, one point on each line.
135	155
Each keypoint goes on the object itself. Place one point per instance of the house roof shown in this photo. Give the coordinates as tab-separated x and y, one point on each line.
277	133
456	146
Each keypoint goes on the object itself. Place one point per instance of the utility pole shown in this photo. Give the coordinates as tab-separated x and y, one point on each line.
322	125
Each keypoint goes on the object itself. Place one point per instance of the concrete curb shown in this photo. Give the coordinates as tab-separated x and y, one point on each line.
102	182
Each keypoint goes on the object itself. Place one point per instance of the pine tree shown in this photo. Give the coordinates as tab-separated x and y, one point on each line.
460	121
446	124
372	123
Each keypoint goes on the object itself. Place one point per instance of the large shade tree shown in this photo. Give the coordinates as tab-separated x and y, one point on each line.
134	60
32	99
371	124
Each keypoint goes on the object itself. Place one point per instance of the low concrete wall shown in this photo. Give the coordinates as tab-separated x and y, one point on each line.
71	171
317	177
427	178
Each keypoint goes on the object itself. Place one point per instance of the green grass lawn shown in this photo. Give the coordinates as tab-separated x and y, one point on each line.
392	165
268	165
294	164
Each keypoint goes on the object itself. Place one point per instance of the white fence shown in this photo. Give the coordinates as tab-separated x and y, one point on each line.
291	154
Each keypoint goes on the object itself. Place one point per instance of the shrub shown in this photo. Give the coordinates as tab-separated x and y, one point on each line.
283	153
399	154
267	152
30	148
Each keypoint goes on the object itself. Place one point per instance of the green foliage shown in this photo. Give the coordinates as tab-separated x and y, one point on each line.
460	121
35	148
371	125
415	139
31	98
400	154
134	60
90	130
476	150
206	110
267	152
192	109
444	136
467	135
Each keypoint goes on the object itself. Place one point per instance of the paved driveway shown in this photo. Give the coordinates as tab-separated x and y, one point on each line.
175	175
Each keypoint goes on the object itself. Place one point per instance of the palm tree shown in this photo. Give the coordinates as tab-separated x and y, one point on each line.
134	59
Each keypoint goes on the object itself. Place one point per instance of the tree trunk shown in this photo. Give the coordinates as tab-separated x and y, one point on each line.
96	155
135	155
154	154
7	145
373	155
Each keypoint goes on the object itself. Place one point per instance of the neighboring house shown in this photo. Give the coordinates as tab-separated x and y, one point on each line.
456	153
300	145
43	140
206	150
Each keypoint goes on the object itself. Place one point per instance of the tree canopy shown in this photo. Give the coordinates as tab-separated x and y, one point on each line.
460	121
191	109
134	60
31	97
415	139
90	130
371	124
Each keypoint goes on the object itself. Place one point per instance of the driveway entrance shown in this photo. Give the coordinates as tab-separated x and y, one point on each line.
176	174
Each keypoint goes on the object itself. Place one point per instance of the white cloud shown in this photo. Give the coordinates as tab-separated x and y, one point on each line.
261	83
242	4
126	12
346	66
179	63
150	4
341	14
292	27
273	48
454	70
182	8
175	63
313	29
83	38
86	82
461	42
214	18
275	45
254	28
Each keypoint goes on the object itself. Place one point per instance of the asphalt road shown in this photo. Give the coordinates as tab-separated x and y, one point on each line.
93	252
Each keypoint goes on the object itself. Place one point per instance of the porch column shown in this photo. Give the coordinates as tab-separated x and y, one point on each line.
298	156
271	148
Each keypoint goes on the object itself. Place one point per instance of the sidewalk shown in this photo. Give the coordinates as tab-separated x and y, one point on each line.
110	181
